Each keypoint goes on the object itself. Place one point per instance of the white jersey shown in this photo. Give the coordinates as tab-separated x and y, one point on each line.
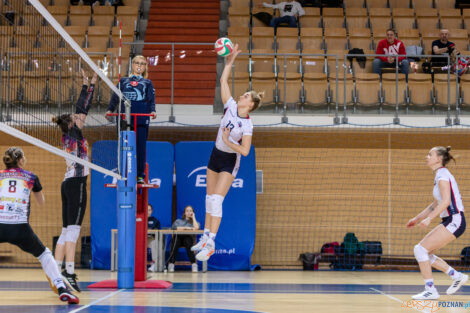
16	185
239	126
456	204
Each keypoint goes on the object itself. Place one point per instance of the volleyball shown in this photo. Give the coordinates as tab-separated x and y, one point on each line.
223	46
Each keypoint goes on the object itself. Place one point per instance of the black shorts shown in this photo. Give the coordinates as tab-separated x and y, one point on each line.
221	161
73	192
23	236
455	224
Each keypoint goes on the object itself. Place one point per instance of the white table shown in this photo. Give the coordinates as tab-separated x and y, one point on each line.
159	245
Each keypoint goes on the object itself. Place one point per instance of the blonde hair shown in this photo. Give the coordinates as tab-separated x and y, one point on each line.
145	73
256	97
12	156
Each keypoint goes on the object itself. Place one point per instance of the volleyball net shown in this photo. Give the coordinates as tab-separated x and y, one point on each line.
41	66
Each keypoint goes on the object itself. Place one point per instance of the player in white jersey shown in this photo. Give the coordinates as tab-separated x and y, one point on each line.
448	204
233	140
73	188
16	187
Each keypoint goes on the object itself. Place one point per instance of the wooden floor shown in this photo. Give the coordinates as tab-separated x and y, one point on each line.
26	290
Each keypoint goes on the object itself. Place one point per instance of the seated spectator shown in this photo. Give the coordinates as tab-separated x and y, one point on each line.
441	46
152	223
289	11
187	222
390	47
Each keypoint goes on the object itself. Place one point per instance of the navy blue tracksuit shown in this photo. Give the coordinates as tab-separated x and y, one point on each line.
141	93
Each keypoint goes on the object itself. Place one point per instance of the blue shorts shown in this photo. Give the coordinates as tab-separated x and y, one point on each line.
455	224
221	161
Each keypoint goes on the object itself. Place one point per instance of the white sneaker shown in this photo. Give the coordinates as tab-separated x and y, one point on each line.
457	283
200	244
171	267
206	252
194	267
427	294
152	268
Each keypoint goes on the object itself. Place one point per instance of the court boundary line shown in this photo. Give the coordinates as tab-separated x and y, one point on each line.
395	299
97	301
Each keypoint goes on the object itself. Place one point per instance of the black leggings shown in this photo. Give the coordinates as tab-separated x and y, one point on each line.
23	236
186	241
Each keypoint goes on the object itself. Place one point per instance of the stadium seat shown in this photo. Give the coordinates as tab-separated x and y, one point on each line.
349	88
262	81
61	2
25	37
262	38
291	63
356	18
48	38
368	89
10	89
360	38
103	16
239	16
333	18
428	37
311	38
77	33
240	3
256	22
316	88
335	38
427	19
239	84
127	35
331	60
313	63
403	18
311	18
445	4
409	37
368	65
34	89
420	89
60	13
380	18
241	64
395	4
132	3
98	37
128	16
465	90
440	87
377	4
292	84
422	4
459	37
450	18
354	4
263	63
466	18
389	89
240	35
287	38
80	15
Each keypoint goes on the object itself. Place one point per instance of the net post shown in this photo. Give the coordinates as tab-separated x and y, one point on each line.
126	199
141	230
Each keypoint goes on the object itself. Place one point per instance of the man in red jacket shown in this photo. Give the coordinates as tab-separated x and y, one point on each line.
390	47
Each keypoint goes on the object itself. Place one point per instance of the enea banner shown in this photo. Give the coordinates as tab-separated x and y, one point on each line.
103	211
236	236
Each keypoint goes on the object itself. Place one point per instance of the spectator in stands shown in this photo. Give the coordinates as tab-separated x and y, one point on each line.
152	223
441	46
141	93
186	222
289	11
390	47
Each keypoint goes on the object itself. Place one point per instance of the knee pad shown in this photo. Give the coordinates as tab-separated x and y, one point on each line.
63	234
45	255
217	205
209	204
73	231
432	258
421	254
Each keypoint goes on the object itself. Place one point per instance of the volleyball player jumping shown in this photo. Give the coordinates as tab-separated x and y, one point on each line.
73	189
16	186
233	140
448	204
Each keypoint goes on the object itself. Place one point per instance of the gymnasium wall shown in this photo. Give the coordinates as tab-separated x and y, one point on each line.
318	185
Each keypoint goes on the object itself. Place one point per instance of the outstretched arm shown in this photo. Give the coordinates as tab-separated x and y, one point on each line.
224	87
84	101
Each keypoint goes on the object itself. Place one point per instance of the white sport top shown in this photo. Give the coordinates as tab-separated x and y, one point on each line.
456	204
239	126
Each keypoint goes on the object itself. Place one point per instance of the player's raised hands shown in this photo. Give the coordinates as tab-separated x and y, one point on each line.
231	57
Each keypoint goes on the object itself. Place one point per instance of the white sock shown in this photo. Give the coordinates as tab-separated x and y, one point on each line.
70	267
207	232
429	283
452	272
212	236
50	268
59	265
